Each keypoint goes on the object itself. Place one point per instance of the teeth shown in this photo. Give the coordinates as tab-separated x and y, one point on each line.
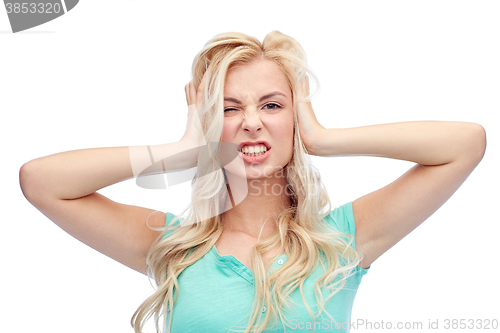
254	150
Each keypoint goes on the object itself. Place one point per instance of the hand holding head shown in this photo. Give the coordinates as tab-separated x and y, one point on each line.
194	135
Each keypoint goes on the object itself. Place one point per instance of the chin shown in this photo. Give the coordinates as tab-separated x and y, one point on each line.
259	171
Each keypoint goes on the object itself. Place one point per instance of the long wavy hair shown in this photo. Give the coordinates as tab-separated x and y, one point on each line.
303	235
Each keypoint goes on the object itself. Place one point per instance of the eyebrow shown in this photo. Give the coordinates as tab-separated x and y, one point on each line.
230	99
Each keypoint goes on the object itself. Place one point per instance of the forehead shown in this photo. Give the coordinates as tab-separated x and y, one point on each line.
258	77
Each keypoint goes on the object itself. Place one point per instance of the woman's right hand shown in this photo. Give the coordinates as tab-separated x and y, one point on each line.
194	136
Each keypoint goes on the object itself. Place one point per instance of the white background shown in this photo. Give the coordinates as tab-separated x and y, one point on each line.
112	73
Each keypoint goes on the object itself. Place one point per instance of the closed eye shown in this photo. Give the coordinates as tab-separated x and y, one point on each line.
274	106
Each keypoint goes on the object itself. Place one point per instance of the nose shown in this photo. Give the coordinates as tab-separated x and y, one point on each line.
251	122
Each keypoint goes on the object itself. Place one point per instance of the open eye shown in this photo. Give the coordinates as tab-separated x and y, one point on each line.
274	106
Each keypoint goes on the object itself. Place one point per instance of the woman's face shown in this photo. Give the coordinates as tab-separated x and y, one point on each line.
258	107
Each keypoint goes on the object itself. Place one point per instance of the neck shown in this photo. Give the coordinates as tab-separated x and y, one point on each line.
265	198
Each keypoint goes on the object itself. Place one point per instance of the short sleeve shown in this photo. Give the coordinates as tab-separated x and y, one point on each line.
342	219
169	218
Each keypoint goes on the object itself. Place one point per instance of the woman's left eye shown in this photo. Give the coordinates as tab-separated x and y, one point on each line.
276	106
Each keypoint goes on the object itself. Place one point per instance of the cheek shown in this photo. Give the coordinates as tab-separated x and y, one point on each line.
285	134
289	130
226	131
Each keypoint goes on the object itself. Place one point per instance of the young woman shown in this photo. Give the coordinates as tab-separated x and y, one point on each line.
260	248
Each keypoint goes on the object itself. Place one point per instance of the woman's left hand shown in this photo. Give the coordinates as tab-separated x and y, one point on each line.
309	127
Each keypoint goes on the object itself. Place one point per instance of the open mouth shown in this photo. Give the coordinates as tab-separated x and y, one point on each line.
256	150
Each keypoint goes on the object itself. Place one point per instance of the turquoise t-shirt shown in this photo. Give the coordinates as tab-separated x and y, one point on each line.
216	293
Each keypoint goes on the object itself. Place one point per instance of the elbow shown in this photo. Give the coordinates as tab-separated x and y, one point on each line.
27	181
23	179
476	142
480	138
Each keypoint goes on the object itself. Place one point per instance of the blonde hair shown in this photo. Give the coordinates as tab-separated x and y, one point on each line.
303	235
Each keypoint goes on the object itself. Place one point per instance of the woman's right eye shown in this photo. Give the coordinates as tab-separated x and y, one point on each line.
229	109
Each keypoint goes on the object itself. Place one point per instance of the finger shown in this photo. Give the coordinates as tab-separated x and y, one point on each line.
201	87
186	90
300	89
304	87
200	92
192	94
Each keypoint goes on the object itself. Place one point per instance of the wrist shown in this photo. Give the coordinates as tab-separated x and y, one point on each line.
155	159
314	142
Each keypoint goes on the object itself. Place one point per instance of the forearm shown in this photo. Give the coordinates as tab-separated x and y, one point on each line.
422	142
75	174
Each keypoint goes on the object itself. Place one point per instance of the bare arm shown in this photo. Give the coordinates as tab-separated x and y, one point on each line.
77	173
445	153
63	187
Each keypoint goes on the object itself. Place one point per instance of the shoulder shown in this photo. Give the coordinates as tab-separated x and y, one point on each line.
170	224
342	219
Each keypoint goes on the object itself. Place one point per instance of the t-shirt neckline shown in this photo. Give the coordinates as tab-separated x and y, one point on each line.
240	268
